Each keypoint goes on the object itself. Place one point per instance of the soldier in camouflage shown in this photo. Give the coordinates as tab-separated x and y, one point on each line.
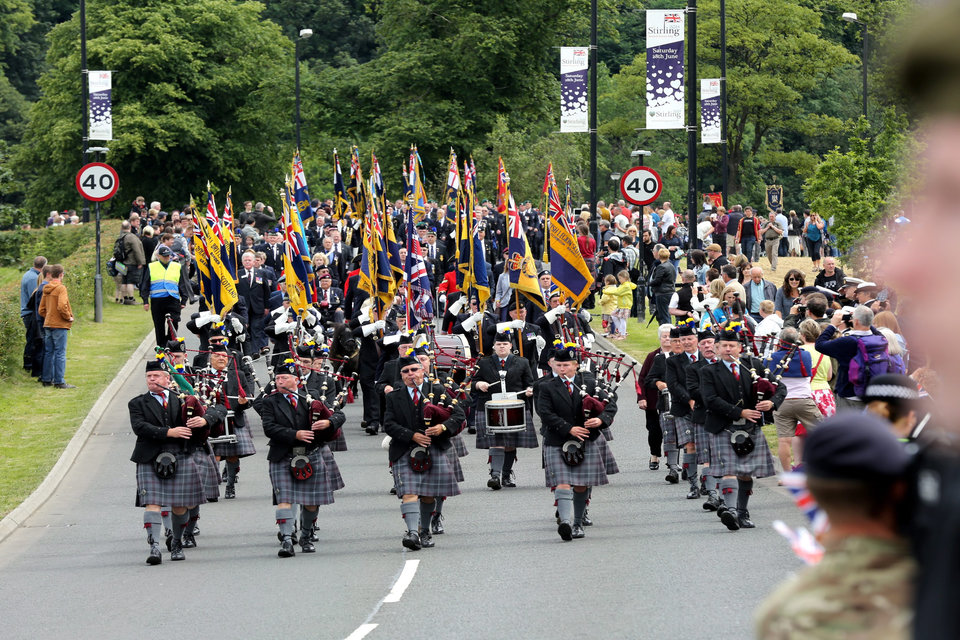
863	587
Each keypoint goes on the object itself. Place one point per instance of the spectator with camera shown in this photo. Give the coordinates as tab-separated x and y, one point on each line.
813	305
846	349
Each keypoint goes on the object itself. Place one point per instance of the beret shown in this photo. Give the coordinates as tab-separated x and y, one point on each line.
854	446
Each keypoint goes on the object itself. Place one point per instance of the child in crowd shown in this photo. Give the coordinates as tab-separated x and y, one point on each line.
608	305
624	294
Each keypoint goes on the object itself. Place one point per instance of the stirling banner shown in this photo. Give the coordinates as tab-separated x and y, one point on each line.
710	131
665	69
101	108
574	63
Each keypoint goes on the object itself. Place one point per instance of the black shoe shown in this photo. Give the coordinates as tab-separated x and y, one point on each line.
426	540
372	429
286	548
223	476
577	532
556	514
743	519
155	557
654	465
565	530
393	491
683	474
229	493
506	480
176	550
47	384
729	518
306	546
703	486
313	536
471	430
494	482
411	540
64	385
712	503
168	538
585	520
436	524
693	494
672	476
294	537
189	542
196	529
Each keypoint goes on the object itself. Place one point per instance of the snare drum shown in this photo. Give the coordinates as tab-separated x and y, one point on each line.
506	416
450	345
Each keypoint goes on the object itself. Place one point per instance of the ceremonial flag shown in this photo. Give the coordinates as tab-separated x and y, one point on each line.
390	244
567	267
222	285
357	190
301	194
520	263
341	205
471	263
229	232
295	271
406	184
419	298
302	251
225	240
453	180
375	270
418	196
200	254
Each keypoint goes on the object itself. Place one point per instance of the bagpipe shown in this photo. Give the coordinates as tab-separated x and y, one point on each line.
211	388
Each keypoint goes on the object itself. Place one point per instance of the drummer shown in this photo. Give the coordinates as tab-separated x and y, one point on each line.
491	369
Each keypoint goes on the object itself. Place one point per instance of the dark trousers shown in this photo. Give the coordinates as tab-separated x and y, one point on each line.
749	246
30	326
371	401
784	247
159	308
663	307
258	337
654	431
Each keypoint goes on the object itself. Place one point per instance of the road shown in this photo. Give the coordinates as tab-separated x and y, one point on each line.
654	565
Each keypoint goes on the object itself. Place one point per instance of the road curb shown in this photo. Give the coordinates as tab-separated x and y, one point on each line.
41	494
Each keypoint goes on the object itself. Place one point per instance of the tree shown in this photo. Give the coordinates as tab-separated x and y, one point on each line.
343	30
203	90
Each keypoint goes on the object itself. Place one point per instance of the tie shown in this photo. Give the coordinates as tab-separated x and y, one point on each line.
251	279
416	397
693	357
735	370
293	400
503	364
162	398
569	387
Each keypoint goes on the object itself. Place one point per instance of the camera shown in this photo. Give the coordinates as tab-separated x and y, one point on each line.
801	309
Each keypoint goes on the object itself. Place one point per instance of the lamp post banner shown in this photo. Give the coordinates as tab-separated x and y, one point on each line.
665	100
101	109
574	63
710	132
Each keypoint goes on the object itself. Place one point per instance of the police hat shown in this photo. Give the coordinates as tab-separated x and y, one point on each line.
288	367
406	361
176	346
164	251
891	386
854	446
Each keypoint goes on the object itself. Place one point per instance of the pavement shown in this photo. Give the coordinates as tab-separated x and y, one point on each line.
654	565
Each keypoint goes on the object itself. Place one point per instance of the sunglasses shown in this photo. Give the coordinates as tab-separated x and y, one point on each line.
794	279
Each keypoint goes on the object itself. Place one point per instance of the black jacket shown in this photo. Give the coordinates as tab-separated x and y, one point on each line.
663	278
560	411
725	397
677	383
256	295
519	376
281	423
699	413
150	422
401	420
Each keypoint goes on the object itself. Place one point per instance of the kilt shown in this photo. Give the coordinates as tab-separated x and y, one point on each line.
667	423
440	481
526	439
340	444
703	443
609	462
607	433
455	460
685	431
333	469
242	448
589	473
184	489
209	473
459	446
315	490
725	462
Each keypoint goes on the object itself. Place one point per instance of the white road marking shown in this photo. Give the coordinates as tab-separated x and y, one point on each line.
406	576
361	632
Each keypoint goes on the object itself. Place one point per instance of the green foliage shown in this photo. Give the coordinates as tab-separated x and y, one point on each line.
856	186
203	88
343	30
18	248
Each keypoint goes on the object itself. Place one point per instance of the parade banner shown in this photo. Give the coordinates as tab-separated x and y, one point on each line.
665	69
710	131
101	109
574	63
774	196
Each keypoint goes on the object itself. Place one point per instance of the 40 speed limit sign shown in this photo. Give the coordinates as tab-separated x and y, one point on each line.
97	181
640	185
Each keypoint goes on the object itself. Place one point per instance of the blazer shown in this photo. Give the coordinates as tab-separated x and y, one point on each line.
645	388
401	419
769	292
560	410
519	377
725	397
150	422
677	383
699	413
281	423
257	295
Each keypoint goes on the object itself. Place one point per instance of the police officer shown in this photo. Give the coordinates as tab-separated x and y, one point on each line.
164	291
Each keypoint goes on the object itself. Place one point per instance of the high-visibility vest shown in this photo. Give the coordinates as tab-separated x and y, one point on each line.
165	281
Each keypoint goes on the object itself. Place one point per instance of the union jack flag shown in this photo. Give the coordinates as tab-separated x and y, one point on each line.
418	281
671	17
212	218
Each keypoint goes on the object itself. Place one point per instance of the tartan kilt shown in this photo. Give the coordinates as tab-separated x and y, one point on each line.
725	462
440	481
460	446
315	490
589	473
209	473
703	443
242	448
609	462
607	433
455	460
184	489
333	469
685	431
667	423
339	444
526	439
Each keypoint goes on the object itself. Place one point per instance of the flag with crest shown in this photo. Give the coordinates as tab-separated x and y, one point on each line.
520	263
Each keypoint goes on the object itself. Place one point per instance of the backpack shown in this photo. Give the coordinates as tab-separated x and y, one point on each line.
119	249
872	359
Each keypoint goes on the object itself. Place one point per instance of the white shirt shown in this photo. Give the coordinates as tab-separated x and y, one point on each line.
668	220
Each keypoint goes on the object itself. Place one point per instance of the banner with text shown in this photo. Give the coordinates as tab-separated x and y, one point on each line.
710	132
574	63
101	109
665	69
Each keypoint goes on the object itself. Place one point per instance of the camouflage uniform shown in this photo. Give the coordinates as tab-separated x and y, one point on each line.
862	589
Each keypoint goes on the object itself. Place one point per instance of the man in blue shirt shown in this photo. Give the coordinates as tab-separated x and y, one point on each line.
28	286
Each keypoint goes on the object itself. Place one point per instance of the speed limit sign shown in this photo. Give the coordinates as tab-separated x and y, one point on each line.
640	185
97	181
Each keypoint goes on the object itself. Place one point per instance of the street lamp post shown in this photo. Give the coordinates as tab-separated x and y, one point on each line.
641	154
304	33
615	177
98	276
852	17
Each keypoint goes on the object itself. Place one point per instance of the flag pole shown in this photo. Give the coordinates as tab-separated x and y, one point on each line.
519	333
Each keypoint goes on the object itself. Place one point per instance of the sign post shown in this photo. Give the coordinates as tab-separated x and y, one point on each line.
97	181
640	185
